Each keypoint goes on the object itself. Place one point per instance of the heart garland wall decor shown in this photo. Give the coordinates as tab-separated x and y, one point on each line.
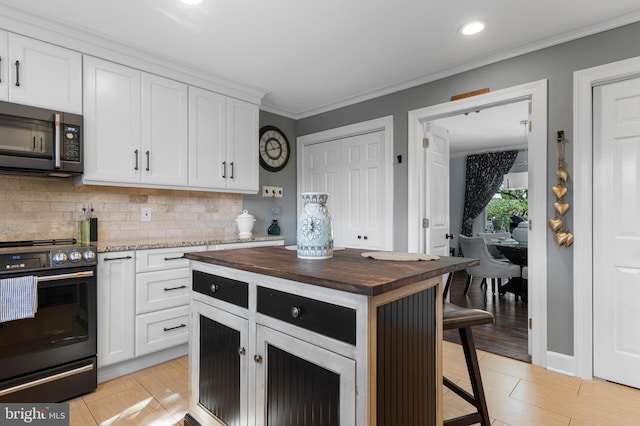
561	234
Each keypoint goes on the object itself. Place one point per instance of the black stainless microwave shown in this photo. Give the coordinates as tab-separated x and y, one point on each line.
40	141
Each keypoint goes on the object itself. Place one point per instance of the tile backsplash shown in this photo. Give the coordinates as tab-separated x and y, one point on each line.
38	208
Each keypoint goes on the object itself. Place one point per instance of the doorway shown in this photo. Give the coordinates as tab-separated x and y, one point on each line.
484	131
536	93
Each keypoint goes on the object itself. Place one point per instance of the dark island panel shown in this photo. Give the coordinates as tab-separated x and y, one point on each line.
346	271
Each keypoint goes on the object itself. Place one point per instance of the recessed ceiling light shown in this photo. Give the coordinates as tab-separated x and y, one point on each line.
191	1
472	28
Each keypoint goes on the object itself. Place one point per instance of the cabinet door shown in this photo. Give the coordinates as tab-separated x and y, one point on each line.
44	75
116	307
4	66
207	139
300	383
242	145
111	122
164	131
218	366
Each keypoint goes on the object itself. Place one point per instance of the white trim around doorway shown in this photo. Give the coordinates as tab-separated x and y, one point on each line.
537	93
583	83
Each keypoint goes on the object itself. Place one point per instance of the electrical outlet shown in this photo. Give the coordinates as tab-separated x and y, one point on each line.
145	214
272	191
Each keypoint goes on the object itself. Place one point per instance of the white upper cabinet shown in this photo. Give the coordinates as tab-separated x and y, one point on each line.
135	127
242	145
223	137
207	138
112	117
40	74
145	130
4	66
164	131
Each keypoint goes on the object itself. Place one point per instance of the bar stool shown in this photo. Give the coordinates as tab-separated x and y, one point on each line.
463	319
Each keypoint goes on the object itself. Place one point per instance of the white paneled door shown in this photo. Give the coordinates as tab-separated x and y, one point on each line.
437	190
616	232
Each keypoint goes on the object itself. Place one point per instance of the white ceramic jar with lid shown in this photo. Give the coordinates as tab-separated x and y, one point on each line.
245	223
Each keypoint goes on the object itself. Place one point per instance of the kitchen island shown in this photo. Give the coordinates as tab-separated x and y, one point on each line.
285	341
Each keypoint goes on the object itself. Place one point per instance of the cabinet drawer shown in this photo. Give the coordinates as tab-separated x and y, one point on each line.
162	290
160	330
330	320
162	259
225	289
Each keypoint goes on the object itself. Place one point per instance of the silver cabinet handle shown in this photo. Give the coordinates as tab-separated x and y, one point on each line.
175	288
296	311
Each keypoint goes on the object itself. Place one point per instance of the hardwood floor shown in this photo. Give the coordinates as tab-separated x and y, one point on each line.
507	336
518	394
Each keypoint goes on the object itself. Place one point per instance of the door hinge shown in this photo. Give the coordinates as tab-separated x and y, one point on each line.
530	324
425	142
425	223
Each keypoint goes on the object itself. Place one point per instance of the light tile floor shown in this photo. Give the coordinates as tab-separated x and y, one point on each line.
517	394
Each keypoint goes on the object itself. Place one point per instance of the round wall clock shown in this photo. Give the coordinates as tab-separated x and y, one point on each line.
274	149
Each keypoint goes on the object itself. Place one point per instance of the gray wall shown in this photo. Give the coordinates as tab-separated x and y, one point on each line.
262	207
556	64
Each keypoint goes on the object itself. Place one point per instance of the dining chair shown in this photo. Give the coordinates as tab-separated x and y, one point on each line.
489	268
493	251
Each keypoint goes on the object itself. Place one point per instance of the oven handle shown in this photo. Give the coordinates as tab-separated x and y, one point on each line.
82	274
48	379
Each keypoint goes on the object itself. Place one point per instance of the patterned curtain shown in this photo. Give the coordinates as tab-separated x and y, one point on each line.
485	173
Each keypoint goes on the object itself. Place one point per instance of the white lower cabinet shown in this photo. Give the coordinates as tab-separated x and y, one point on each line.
161	330
116	307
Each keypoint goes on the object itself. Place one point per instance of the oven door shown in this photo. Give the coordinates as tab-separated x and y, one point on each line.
63	329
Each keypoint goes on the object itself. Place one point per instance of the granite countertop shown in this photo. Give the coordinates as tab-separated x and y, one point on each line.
347	270
109	246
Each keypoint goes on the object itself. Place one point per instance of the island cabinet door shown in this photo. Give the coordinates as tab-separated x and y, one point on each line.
301	384
219	389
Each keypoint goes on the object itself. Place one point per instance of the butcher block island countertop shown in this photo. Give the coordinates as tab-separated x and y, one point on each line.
349	340
347	271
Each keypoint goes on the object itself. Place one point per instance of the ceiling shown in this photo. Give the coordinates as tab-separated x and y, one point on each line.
310	57
497	128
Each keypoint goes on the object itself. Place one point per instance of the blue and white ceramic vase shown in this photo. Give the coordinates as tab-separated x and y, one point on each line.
315	239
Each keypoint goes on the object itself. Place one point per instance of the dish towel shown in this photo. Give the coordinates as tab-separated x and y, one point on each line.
18	298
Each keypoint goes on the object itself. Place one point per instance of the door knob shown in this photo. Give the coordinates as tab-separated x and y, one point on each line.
448	236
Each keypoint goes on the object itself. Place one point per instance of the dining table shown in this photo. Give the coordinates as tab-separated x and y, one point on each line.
515	252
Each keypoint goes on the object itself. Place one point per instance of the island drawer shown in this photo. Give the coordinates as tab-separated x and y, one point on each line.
331	320
221	288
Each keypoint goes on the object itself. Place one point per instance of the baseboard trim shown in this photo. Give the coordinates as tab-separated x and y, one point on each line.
561	363
127	367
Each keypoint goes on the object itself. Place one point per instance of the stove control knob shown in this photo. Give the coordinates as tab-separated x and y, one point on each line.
75	256
89	256
60	257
